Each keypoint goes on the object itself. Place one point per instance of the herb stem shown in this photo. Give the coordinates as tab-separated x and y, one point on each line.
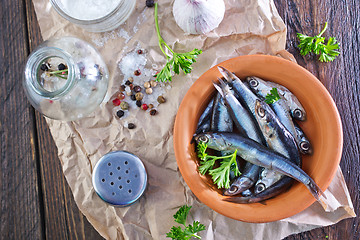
59	71
194	235
325	27
168	47
161	40
174	61
59	76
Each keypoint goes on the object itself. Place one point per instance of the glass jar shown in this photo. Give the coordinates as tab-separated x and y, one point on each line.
66	78
95	15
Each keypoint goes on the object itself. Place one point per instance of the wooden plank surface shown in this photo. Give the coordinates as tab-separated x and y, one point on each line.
341	78
19	194
62	218
36	201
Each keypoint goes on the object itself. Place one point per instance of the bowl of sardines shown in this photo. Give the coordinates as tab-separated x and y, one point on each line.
258	138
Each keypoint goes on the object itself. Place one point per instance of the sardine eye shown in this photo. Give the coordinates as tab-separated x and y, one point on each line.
203	139
261	112
304	146
253	82
298	113
259	188
233	189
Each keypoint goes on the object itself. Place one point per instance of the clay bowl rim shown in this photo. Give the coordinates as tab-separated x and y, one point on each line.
202	91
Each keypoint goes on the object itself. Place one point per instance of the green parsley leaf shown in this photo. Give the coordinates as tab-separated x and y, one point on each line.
189	231
317	45
207	165
196	227
174	61
165	73
273	96
207	161
181	215
221	175
201	151
176	233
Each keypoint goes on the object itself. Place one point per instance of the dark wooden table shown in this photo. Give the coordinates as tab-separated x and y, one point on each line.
36	201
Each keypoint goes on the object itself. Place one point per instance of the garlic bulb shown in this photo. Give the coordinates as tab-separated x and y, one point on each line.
198	16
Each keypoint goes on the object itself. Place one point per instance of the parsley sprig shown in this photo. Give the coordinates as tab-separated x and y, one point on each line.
273	96
317	45
175	61
189	231
221	174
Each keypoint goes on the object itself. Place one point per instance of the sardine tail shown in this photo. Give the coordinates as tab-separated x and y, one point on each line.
224	86
218	88
229	76
315	190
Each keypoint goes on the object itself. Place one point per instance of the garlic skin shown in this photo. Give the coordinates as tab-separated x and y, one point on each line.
198	16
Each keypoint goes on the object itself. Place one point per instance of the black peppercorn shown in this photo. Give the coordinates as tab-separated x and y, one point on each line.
153	112
44	67
61	66
138	103
122	88
127	83
133	97
150	3
131	126
120	113
137	89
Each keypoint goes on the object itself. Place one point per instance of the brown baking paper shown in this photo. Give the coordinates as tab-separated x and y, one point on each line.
249	27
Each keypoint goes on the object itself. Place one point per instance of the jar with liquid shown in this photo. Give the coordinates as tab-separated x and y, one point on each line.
65	79
95	15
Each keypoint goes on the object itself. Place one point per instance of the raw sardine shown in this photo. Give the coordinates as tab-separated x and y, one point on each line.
245	181
220	118
245	124
242	118
262	88
257	154
246	96
276	134
205	119
278	139
281	109
276	189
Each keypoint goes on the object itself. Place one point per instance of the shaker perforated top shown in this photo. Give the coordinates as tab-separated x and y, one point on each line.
119	178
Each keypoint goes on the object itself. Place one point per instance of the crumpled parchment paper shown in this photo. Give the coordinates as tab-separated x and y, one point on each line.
249	27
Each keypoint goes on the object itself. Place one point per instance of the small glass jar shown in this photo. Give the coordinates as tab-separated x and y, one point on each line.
95	15
66	78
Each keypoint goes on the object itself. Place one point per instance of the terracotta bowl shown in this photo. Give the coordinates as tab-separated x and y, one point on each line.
323	128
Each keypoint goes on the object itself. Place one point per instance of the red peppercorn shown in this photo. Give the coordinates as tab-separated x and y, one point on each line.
121	96
116	102
140	51
144	106
137	72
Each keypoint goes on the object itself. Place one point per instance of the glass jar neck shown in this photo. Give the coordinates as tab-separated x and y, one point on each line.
33	70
